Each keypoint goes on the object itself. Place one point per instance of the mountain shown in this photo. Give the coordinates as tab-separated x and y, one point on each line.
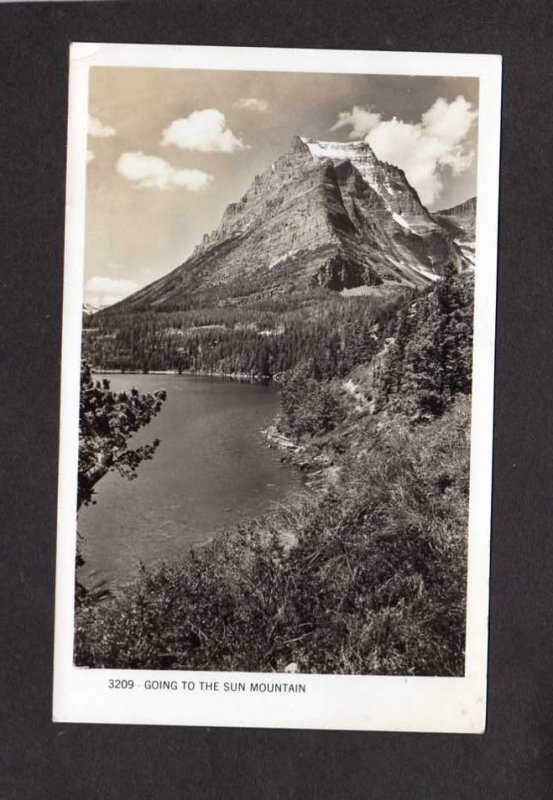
460	221
88	312
326	214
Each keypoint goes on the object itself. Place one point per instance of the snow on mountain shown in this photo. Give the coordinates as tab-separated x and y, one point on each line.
386	179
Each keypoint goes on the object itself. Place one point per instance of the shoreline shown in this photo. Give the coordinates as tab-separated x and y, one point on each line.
242	377
320	471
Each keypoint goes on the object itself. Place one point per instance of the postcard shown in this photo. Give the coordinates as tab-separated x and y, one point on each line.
277	388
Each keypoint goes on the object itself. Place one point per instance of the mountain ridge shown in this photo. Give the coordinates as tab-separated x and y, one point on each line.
460	221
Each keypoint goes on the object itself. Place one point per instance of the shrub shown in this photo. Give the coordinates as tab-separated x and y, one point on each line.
309	406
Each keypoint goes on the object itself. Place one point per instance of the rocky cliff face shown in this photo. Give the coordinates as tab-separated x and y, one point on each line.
460	221
388	181
324	214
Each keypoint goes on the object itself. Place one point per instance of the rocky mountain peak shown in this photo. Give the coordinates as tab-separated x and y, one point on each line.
325	214
386	179
299	145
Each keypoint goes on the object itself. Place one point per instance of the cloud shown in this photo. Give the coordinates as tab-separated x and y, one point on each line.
362	120
252	104
424	150
102	291
204	131
96	128
89	156
156	173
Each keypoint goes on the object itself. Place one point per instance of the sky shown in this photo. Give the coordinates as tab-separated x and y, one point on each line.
169	149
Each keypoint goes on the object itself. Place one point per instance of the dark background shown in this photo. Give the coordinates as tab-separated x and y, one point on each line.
41	760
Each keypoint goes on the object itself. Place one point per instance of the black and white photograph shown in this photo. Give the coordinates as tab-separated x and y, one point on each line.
277	388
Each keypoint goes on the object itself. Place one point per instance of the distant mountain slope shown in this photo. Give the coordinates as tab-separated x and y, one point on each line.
460	221
88	312
466	209
324	214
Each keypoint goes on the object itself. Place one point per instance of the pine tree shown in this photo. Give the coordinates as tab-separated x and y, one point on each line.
106	423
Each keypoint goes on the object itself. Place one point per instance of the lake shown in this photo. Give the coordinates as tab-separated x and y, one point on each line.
211	471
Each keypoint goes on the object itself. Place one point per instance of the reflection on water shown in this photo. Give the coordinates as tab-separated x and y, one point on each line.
212	469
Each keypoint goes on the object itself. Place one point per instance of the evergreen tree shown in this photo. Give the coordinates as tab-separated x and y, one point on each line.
106	423
429	361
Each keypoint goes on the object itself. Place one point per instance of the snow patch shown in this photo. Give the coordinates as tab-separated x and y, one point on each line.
402	221
343	151
350	387
425	272
286	257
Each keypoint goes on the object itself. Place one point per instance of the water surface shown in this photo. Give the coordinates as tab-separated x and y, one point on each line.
211	470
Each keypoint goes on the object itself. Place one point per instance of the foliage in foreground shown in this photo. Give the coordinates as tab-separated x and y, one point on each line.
107	420
370	579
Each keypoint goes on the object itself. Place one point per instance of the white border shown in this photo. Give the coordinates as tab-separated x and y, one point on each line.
454	705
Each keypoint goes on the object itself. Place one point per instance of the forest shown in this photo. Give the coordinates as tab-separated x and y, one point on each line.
261	338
